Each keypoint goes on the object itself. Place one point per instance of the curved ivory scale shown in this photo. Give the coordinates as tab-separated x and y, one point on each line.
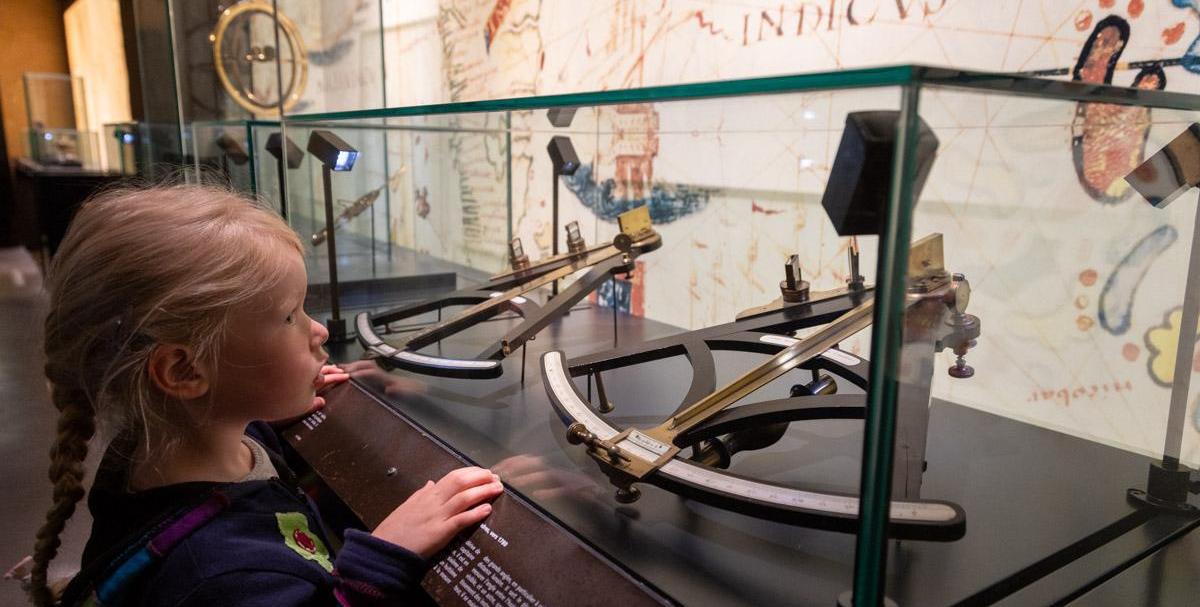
837	355
722	486
437	365
499	295
814	501
566	398
517	300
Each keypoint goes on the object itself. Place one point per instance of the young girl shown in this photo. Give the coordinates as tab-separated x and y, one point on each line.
176	322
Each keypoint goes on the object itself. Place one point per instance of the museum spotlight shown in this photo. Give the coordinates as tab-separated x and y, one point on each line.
561	117
860	181
1164	176
565	161
126	137
276	143
285	151
562	155
335	155
1171	171
332	151
232	149
856	201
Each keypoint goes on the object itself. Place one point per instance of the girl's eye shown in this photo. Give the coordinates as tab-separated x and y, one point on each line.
291	319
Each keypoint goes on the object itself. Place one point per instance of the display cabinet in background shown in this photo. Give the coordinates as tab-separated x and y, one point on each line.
127	145
58	133
256	59
384	234
225	150
217	62
236	69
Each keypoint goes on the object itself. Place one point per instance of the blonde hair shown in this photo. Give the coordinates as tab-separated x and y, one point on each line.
139	267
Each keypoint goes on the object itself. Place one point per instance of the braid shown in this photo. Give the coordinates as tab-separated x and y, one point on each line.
136	268
76	425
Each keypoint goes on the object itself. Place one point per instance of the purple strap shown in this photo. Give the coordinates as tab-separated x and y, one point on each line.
188	523
358	586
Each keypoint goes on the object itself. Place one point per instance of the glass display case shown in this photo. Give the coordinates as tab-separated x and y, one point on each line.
58	133
390	243
251	156
339	57
234	64
128	147
226	150
1025	421
257	58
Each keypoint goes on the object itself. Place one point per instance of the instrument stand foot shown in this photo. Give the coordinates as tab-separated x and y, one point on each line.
628	495
605	405
961	369
1167	487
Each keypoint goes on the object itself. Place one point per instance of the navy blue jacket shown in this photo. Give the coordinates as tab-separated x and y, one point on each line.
265	547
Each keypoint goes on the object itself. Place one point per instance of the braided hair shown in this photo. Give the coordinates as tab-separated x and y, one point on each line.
139	267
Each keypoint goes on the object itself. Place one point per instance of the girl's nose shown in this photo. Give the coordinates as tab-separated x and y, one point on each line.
320	333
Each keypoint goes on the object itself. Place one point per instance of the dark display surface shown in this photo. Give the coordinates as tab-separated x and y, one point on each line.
1022	487
500	562
1167	578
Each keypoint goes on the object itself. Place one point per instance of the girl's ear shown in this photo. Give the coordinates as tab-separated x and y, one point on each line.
175	371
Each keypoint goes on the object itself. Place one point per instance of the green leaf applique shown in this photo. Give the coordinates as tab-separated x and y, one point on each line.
294	528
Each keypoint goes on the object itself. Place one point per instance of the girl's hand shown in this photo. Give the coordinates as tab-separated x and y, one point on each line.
330	376
435	513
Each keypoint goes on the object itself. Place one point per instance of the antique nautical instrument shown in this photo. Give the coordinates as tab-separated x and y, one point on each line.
714	430
258	76
354	209
506	293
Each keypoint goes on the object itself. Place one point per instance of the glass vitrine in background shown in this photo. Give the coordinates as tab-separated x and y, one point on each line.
382	257
225	150
334	60
273	160
255	59
127	145
58	132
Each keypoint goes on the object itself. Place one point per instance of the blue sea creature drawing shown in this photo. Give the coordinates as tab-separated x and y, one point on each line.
667	201
1191	57
1116	300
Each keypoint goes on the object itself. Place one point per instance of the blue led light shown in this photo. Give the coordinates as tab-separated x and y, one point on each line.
127	138
48	136
345	160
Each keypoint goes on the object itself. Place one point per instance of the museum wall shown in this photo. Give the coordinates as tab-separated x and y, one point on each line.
1026	191
96	53
738	181
33	31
